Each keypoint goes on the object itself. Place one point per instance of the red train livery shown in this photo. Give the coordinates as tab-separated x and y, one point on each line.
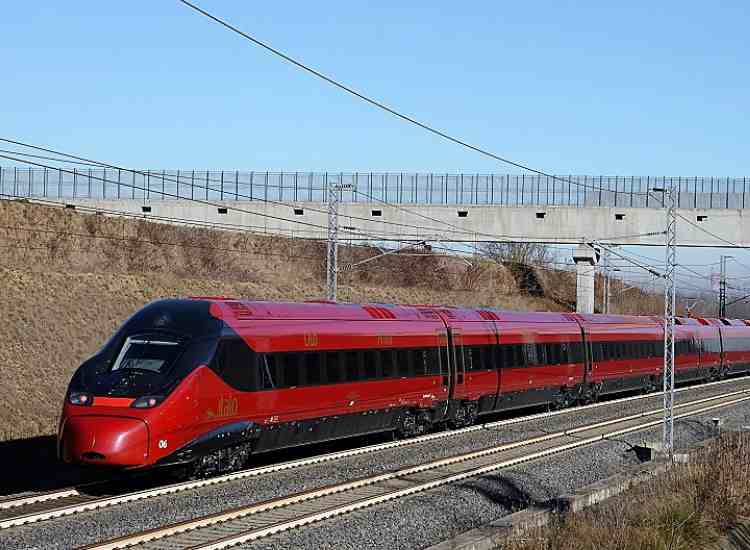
206	382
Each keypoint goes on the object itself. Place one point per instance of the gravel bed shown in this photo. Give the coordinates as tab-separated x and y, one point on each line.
465	508
426	519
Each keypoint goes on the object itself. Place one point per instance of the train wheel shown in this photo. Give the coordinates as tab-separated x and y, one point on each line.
465	416
562	400
412	424
591	394
221	461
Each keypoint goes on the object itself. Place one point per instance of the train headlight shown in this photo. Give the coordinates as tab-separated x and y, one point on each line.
80	398
147	401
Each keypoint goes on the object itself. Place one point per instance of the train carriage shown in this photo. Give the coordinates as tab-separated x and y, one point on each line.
625	352
204	383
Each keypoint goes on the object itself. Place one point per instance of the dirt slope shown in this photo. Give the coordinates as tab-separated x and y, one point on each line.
67	280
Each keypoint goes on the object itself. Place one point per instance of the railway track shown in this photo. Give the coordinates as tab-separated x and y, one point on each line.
257	521
73	500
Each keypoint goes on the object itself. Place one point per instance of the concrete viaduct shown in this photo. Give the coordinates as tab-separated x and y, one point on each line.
413	207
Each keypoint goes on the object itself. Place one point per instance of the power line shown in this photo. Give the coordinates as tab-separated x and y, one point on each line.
379	104
30	155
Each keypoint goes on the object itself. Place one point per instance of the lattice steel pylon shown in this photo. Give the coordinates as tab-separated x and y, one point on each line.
669	313
332	256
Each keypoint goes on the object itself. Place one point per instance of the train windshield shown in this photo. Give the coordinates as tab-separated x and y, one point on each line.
145	354
153	351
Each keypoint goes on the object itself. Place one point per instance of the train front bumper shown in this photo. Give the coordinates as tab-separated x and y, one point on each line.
104	440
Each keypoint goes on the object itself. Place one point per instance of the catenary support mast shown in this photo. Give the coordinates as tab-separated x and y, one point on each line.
669	314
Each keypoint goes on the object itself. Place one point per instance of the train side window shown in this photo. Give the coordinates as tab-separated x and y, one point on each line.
501	356
269	378
597	349
432	356
581	353
370	359
386	363
532	357
468	358
333	367
234	362
290	366
572	352
557	354
420	363
630	352
351	365
600	351
404	363
488	359
312	369
476	358
563	353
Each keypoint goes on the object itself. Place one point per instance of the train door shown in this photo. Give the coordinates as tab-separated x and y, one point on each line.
446	380
457	378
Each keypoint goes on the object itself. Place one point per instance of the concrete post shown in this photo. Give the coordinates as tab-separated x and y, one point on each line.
586	259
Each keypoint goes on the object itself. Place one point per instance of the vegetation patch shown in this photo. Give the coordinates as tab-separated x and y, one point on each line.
698	505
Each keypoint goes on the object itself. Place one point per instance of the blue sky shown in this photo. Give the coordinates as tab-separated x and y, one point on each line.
583	87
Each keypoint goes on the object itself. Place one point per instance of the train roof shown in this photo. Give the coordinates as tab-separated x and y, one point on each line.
250	309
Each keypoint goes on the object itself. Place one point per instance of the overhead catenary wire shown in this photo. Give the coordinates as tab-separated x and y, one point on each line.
379	104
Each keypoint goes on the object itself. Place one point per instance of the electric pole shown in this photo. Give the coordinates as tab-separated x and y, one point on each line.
332	270
605	298
723	287
669	310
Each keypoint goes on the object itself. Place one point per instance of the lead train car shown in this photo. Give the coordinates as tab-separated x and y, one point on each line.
206	382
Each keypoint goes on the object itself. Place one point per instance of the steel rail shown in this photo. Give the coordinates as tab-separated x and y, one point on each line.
69	501
249	523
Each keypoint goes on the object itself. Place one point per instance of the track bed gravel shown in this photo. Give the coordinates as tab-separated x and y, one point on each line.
417	522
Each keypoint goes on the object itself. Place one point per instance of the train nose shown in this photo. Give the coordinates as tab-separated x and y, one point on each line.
105	440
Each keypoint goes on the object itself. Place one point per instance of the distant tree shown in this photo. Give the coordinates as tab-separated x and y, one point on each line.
519	253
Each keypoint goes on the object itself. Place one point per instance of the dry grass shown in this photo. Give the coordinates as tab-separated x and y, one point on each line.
690	507
67	280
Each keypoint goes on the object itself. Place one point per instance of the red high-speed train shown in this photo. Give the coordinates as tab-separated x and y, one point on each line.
207	382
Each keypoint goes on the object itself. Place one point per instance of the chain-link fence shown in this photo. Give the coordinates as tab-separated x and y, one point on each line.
402	188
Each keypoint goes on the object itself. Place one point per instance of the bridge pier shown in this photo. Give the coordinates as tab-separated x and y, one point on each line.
586	259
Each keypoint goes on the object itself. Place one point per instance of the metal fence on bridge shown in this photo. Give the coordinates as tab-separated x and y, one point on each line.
402	188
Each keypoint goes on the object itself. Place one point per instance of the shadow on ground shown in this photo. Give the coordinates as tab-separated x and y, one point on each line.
32	465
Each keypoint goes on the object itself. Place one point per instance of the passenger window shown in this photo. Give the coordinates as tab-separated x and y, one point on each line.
333	367
553	354
432	357
488	362
501	356
403	362
532	357
351	363
600	351
520	360
234	362
371	365
268	372
468	356
312	369
290	362
386	362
